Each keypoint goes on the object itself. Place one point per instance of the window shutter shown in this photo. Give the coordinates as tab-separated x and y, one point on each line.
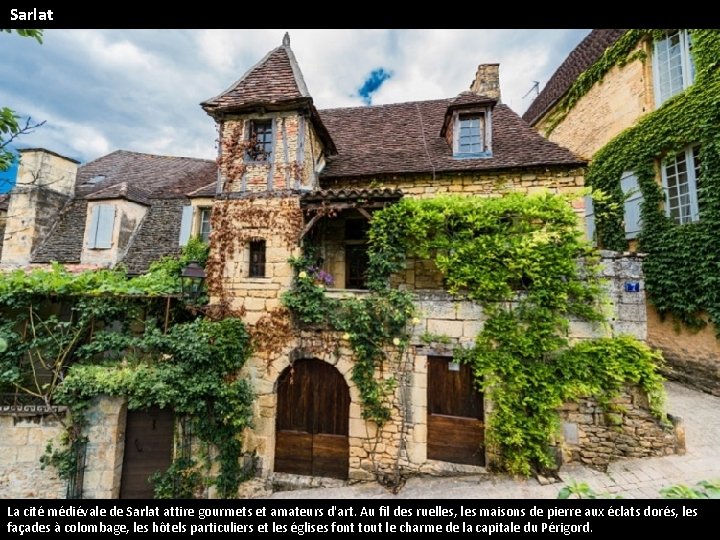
106	218
93	226
590	220
633	198
185	224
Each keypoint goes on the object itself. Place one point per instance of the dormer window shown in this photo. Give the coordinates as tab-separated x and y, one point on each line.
260	140
469	133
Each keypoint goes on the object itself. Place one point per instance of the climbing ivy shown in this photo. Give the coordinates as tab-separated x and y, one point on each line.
375	325
523	259
682	261
74	336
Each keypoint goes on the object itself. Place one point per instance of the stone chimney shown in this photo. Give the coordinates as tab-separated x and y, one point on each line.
45	182
487	81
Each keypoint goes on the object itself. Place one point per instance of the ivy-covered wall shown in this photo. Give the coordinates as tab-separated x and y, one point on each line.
682	260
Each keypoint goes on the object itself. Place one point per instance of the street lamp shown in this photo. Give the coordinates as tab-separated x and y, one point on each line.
192	278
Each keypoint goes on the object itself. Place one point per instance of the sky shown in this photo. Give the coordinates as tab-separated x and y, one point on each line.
104	90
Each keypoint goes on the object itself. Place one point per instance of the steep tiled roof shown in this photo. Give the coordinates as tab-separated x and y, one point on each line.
157	176
121	191
405	138
274	80
157	236
65	241
580	59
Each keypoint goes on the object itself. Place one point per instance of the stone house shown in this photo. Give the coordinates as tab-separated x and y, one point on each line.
608	91
288	174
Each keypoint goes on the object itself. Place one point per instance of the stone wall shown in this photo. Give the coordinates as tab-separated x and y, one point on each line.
106	444
23	441
596	435
445	323
692	357
617	102
276	220
291	164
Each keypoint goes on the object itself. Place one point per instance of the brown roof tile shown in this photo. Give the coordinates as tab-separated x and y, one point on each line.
351	194
121	191
157	176
405	138
580	59
274	80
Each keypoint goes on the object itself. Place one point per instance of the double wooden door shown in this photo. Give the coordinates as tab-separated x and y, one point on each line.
313	406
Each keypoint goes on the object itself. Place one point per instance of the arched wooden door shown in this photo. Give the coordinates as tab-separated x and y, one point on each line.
313	406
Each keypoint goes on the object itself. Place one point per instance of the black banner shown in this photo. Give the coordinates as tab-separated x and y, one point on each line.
300	517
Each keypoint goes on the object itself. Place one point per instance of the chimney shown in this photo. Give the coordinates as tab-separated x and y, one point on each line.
45	182
487	81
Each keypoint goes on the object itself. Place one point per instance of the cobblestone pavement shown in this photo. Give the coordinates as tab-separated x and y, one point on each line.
629	478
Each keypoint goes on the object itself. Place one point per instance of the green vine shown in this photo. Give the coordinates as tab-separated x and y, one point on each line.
682	260
74	336
619	54
517	256
374	325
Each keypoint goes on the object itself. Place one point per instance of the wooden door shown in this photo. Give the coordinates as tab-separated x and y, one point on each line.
456	431
313	407
148	449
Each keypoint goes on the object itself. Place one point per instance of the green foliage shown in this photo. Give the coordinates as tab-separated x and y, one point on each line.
374	325
681	268
35	33
705	489
73	336
523	259
618	54
180	481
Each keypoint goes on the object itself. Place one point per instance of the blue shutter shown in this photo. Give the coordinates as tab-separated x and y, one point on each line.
590	220
633	198
106	219
93	226
186	224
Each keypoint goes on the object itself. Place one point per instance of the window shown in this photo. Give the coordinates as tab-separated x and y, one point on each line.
672	65
260	139
631	206
202	225
101	226
471	134
681	180
590	220
356	254
205	224
257	258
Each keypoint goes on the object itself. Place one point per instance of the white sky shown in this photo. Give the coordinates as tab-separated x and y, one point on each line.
103	90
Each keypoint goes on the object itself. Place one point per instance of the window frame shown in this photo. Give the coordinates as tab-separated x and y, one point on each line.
691	160
484	133
252	153
687	65
257	268
202	212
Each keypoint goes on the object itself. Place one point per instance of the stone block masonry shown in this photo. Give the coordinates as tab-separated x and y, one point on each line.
595	435
22	443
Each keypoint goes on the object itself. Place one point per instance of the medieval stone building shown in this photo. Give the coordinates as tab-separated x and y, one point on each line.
616	83
289	174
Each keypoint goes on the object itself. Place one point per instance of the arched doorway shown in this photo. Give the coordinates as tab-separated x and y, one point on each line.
311	430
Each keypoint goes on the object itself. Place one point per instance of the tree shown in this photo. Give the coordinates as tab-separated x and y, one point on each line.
11	126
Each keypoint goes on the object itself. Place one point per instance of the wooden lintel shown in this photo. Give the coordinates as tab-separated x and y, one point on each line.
343	206
309	225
